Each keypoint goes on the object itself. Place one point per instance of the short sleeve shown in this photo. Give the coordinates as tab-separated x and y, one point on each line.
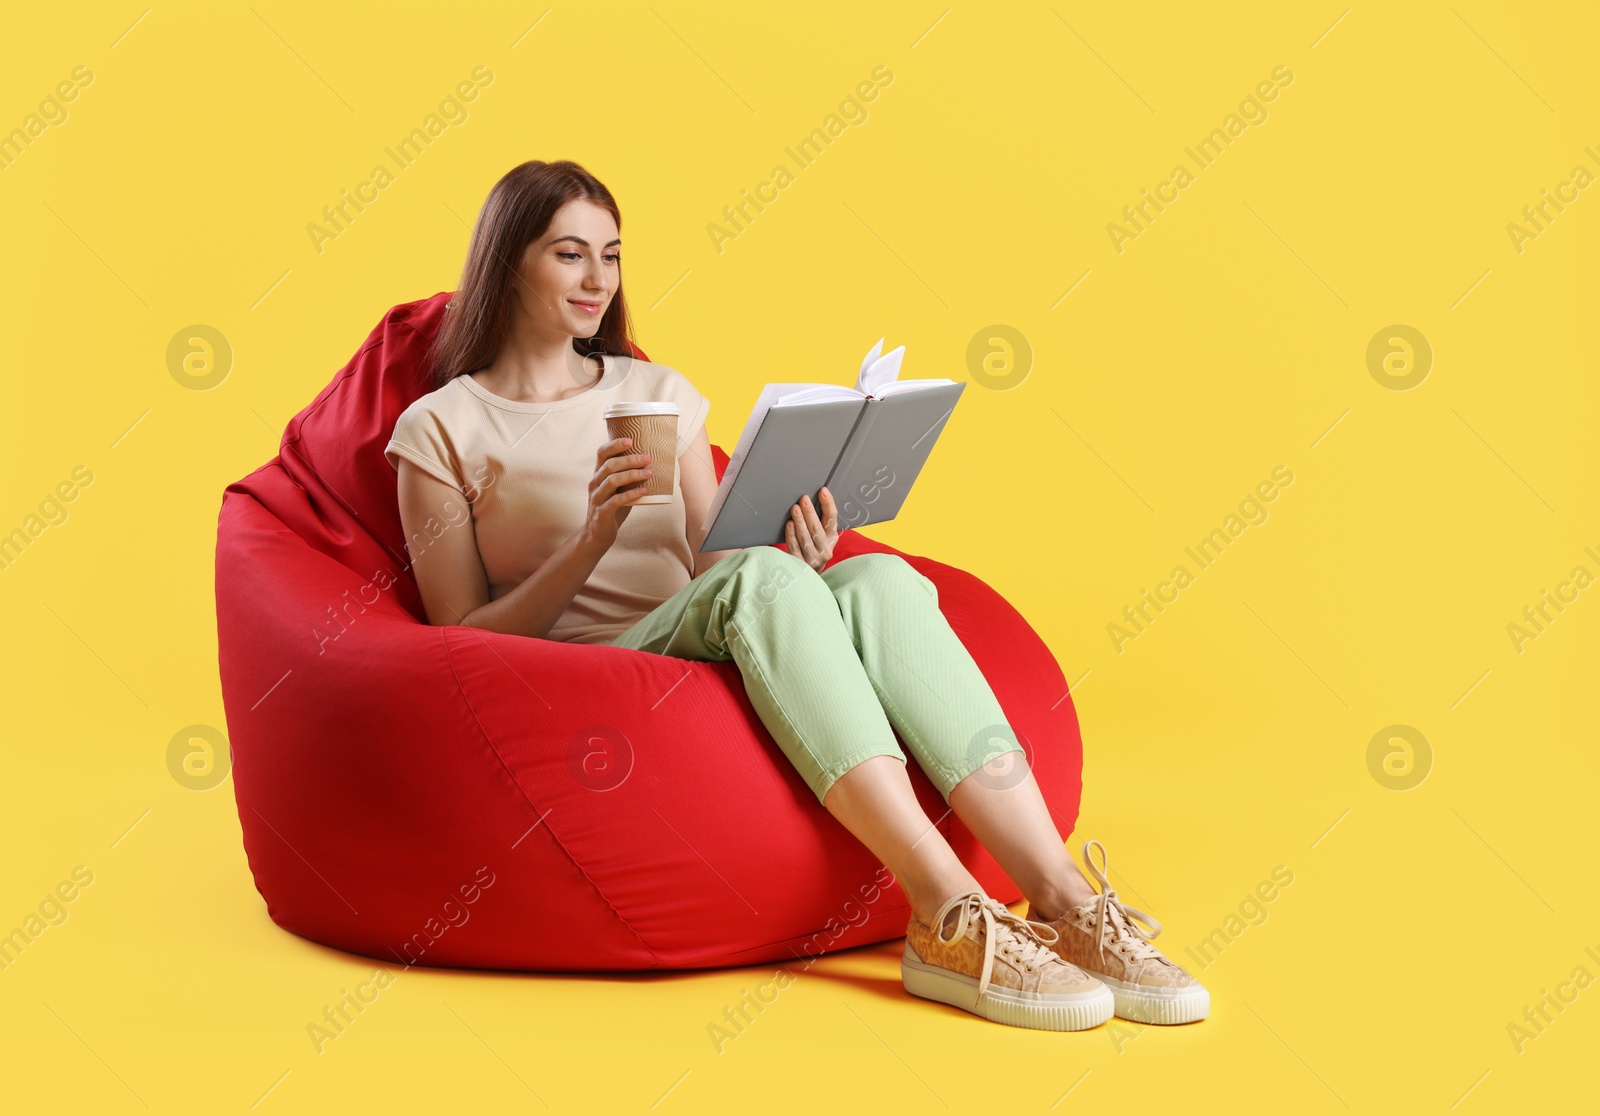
420	438
692	409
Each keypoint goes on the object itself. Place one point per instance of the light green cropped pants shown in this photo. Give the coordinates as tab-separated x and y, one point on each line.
832	660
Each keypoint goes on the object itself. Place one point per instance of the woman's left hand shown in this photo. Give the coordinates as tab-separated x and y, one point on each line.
809	538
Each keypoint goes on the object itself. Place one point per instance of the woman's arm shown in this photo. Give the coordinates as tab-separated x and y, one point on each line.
449	569
697	476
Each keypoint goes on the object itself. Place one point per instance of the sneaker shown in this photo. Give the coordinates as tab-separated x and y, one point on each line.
1101	937
986	960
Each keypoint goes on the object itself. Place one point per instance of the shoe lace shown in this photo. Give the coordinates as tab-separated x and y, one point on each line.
1018	940
1114	919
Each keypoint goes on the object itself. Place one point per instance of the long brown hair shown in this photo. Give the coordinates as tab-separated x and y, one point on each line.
519	209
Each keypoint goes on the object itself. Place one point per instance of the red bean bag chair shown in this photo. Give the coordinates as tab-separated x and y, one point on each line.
455	797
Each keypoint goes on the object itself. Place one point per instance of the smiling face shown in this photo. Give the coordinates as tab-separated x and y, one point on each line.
572	272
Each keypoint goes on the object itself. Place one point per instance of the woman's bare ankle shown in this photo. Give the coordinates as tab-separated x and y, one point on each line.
928	896
1059	897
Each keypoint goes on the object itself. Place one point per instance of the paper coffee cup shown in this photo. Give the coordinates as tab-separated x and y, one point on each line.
654	430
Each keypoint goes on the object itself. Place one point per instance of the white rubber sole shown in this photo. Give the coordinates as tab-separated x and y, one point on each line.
1053	1011
1157	1005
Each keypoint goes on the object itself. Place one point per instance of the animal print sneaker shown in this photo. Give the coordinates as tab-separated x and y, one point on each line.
980	957
1101	937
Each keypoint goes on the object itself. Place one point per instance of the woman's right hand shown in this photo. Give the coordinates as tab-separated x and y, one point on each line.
608	508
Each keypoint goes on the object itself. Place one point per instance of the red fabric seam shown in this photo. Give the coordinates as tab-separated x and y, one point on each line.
462	691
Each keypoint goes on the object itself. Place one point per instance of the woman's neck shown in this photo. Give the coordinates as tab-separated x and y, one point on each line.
540	370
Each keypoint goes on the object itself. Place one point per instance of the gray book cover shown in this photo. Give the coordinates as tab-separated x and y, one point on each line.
867	445
886	453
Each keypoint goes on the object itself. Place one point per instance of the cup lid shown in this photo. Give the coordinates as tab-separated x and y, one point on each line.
623	410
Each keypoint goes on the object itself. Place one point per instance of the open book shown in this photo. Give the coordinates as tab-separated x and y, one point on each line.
866	444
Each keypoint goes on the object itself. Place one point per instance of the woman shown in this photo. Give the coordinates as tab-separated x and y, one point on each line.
533	348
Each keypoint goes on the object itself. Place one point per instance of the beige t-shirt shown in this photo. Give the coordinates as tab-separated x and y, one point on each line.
525	469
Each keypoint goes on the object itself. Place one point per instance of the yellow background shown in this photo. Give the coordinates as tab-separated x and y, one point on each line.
1230	338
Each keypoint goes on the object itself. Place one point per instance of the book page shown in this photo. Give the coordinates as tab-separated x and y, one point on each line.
900	387
816	394
879	371
866	362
